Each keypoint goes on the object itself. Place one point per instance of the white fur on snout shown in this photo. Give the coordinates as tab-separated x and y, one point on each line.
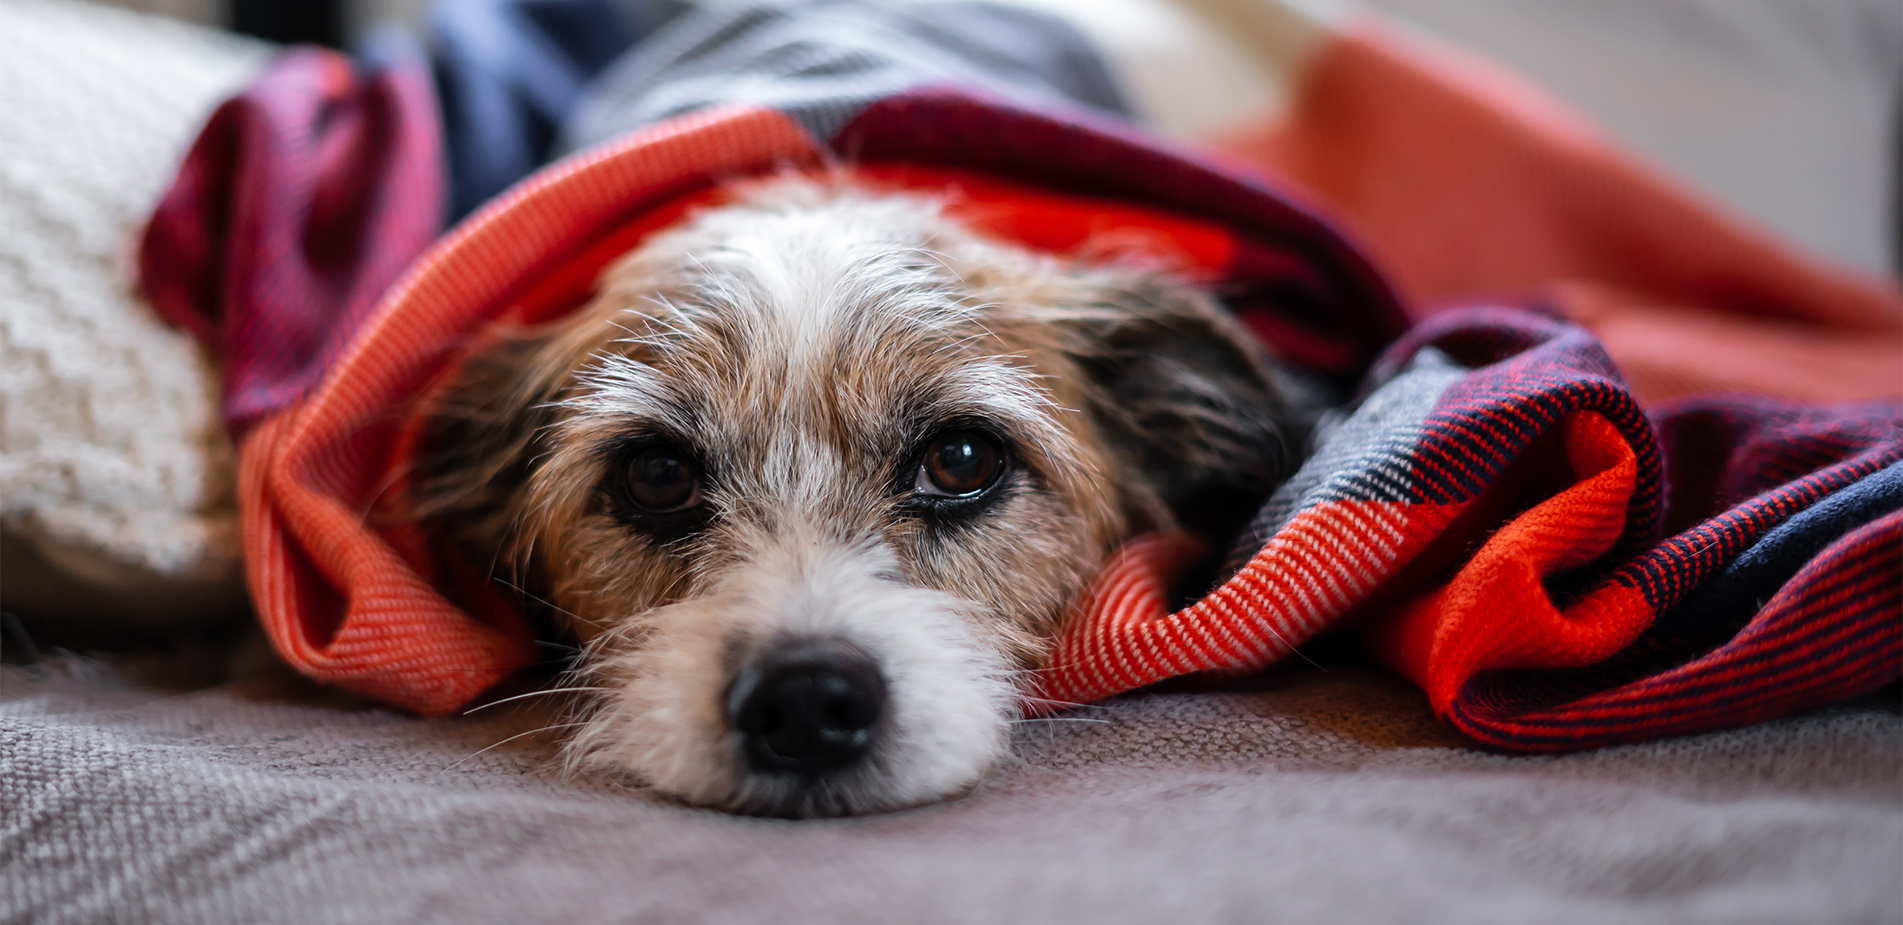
949	694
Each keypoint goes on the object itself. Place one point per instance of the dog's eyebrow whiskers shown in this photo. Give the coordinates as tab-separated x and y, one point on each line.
941	258
957	344
651	341
677	322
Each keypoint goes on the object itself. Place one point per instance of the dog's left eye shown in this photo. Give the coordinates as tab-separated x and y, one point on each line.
959	464
660	480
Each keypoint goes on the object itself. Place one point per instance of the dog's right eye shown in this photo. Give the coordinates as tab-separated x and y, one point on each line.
959	464
659	479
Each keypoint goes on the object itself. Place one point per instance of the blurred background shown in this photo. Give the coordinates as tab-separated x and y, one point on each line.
1787	111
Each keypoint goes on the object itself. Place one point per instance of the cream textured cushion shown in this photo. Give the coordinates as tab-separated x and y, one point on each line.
116	482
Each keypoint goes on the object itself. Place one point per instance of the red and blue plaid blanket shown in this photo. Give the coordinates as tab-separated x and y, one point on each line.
1556	568
1490	509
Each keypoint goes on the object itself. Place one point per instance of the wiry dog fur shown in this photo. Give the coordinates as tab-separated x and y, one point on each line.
797	350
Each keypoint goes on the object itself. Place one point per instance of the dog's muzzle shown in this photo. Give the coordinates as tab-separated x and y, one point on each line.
807	707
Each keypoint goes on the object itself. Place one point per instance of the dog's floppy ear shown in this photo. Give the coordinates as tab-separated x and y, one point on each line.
484	433
1188	397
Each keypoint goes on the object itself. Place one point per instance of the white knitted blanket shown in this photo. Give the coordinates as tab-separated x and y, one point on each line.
115	474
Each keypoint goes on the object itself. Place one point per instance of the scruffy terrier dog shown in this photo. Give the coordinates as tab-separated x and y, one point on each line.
815	476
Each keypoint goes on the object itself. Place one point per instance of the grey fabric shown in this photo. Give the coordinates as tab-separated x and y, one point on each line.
1788	111
823	61
1363	451
1320	797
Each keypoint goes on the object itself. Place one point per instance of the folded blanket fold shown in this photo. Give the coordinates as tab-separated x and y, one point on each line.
1556	565
303	199
1496	509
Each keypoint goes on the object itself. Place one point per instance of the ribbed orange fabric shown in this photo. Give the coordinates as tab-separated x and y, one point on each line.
1496	611
1465	183
1063	224
1329	558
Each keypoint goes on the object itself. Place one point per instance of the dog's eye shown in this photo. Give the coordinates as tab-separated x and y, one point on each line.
661	481
959	463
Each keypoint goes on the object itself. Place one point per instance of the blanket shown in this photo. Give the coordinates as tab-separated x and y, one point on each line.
116	479
1555	557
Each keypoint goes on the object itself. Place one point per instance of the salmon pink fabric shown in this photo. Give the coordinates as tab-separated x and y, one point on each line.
1466	184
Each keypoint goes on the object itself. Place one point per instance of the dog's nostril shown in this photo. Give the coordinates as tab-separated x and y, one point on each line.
807	707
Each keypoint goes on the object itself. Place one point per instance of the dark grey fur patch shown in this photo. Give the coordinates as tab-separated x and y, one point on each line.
1196	403
480	445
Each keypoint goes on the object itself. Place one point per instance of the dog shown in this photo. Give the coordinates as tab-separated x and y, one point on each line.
815	475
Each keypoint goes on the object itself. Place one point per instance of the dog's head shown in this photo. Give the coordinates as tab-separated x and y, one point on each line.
815	476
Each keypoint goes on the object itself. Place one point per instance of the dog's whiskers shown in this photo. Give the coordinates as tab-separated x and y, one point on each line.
519	735
541	693
1060	704
566	613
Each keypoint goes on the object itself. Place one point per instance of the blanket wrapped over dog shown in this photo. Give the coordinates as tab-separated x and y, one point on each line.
1559	555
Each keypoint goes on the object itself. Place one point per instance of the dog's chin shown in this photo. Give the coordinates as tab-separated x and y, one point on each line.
668	714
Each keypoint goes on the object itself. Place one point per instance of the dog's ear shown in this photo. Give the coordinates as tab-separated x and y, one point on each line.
483	436
1197	408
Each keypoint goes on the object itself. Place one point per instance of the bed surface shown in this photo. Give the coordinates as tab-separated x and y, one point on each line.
1317	797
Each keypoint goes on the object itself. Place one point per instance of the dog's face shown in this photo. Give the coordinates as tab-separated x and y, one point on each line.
815	476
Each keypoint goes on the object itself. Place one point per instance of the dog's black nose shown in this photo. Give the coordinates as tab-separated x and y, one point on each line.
807	707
